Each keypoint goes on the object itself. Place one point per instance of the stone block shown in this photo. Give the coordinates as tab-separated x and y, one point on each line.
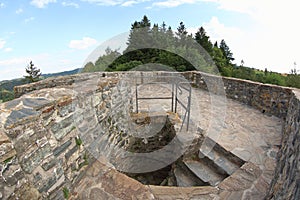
6	151
36	103
31	160
3	138
12	174
26	192
28	138
63	127
49	164
20	115
61	148
71	152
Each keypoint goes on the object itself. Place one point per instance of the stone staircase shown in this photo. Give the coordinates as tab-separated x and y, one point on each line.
210	166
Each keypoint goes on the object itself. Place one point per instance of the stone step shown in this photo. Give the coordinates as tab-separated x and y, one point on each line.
185	178
225	160
205	171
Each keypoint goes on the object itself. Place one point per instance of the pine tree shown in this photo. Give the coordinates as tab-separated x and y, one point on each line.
33	73
203	40
226	52
181	31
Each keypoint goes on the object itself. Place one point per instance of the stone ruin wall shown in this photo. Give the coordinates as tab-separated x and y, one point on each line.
42	153
46	157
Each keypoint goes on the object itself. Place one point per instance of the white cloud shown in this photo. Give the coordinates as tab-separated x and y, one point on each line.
218	31
41	3
124	3
267	12
273	41
8	49
27	20
260	47
85	43
2	5
15	67
19	11
172	3
129	3
2	43
105	2
70	4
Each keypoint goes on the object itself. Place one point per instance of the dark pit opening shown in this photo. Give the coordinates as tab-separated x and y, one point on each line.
159	177
194	168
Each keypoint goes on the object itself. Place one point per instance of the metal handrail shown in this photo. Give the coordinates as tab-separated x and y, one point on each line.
177	85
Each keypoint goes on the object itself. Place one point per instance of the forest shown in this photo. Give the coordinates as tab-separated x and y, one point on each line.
160	41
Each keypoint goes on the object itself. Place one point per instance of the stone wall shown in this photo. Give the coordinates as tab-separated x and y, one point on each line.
41	151
269	99
286	182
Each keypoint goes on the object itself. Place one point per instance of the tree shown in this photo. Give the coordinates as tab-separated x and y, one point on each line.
242	62
181	31
294	70
33	73
203	40
226	52
218	57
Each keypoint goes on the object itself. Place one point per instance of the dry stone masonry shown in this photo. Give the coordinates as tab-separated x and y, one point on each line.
47	149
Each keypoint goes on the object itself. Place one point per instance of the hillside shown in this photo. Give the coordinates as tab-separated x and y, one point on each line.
7	86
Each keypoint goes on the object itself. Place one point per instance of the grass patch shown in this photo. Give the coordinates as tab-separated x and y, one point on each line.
66	192
78	141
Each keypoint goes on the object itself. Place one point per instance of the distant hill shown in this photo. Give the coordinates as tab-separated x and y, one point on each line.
7	86
65	73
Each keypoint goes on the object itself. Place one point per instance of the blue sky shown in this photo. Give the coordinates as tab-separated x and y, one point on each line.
59	35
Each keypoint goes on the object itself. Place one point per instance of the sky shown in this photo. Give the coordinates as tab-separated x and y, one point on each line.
60	35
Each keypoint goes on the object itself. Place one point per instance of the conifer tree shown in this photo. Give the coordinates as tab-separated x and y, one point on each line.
226	52
33	73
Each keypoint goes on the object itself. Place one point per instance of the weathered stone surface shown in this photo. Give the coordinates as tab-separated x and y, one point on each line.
71	152
285	183
18	115
242	179
3	138
109	183
46	182
269	99
170	193
49	164
63	127
185	178
29	162
60	149
223	162
33	136
26	192
6	151
12	104
232	195
12	174
2	183
36	103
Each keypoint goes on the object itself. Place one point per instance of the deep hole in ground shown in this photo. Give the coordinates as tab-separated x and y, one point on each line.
193	168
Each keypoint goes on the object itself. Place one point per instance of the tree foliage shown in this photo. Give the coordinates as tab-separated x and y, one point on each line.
33	73
140	52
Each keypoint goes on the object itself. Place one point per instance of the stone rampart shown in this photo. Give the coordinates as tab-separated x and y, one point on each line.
41	150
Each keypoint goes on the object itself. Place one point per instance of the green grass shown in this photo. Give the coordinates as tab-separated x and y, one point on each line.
66	192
